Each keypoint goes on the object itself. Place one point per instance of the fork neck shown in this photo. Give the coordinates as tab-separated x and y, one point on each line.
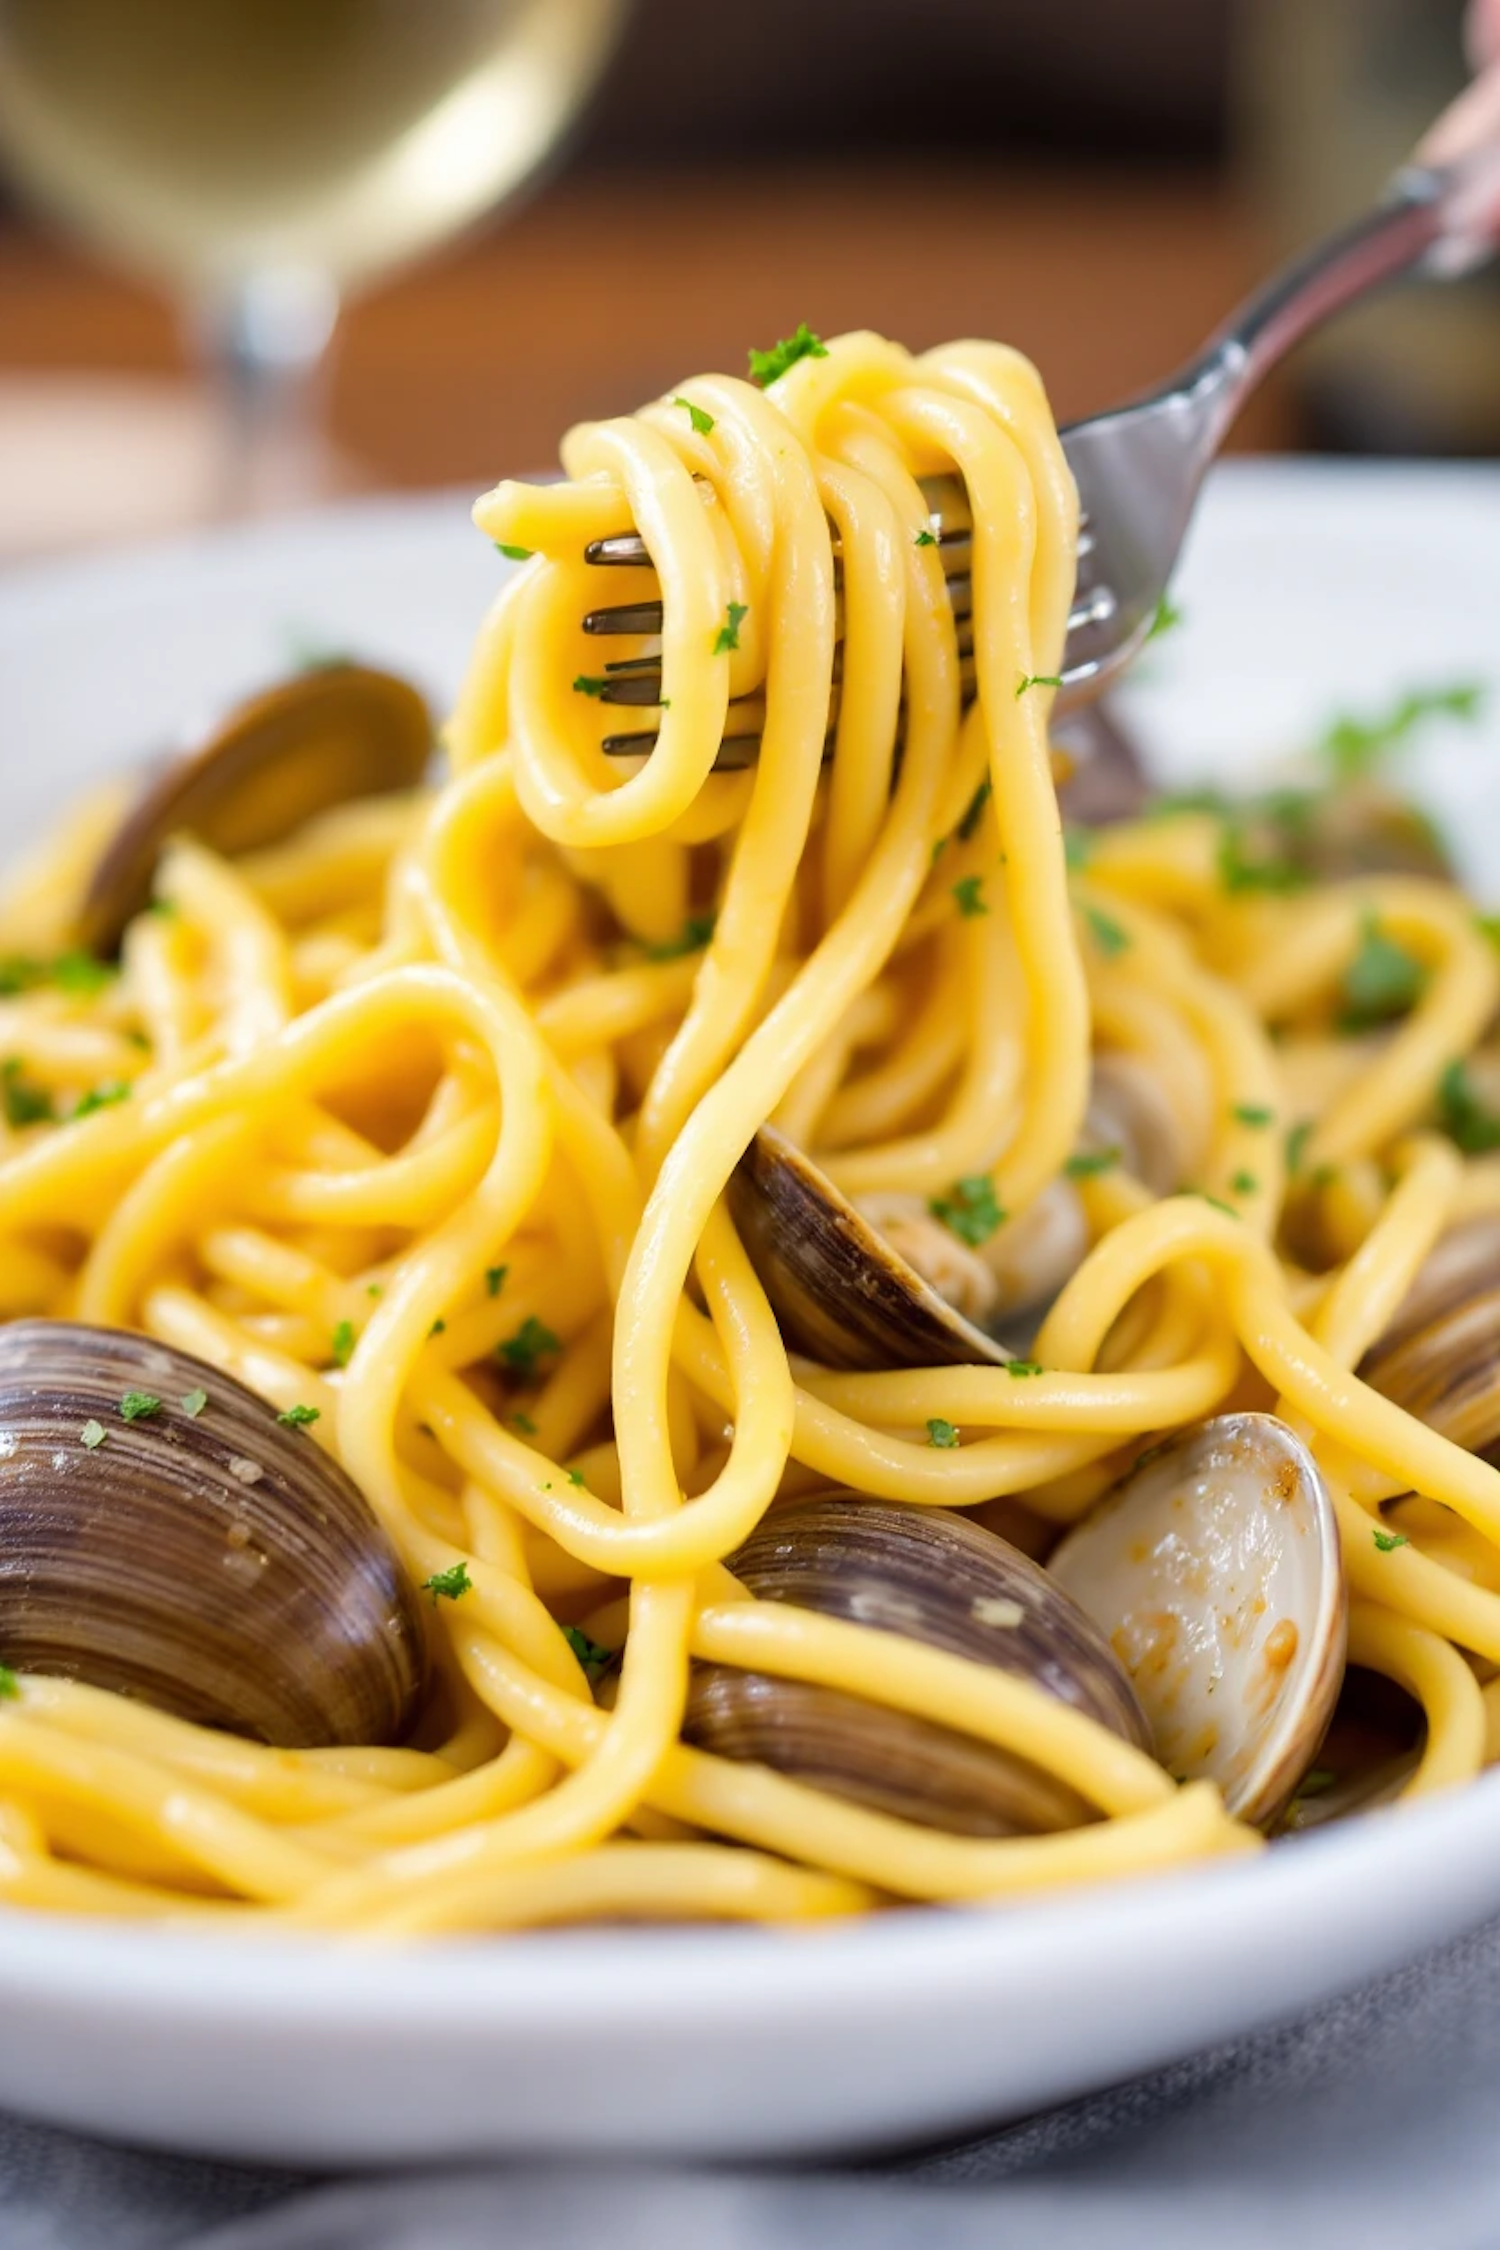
1393	238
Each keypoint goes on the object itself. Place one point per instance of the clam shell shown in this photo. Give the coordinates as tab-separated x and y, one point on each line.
1440	1356
334	732
929	1576
840	1292
219	1566
1214	1569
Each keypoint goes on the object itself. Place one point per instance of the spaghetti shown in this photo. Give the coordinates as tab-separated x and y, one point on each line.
431	1113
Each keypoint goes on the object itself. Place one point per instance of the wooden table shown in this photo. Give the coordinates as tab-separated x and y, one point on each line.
610	287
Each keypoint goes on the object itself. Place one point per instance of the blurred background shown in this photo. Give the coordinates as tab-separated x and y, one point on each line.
523	212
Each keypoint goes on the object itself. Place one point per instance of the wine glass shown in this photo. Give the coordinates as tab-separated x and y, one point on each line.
262	157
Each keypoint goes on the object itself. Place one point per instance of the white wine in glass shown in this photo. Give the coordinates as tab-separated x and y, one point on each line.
261	156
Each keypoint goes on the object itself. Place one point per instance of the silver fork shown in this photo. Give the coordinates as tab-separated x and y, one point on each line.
1139	467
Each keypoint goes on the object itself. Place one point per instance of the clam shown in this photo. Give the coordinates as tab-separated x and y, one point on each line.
885	1283
1440	1356
932	1577
333	732
842	1292
1331	835
164	1535
1214	1569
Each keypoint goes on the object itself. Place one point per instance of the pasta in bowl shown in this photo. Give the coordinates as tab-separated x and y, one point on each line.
486	1134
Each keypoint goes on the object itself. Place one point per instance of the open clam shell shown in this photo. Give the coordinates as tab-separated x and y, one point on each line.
329	734
933	1577
841	1293
1214	1569
207	1560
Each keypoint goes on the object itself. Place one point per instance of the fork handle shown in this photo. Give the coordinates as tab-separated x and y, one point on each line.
1441	211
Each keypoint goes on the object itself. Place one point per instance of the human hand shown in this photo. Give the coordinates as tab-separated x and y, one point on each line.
1471	125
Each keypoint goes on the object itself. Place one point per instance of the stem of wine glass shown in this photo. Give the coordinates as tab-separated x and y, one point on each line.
264	337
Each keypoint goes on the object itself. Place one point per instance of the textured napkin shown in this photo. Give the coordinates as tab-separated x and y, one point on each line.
1373	2124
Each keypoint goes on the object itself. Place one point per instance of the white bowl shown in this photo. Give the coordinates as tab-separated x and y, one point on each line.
1308	588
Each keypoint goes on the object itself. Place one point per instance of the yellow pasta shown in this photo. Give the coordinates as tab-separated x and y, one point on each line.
463	1077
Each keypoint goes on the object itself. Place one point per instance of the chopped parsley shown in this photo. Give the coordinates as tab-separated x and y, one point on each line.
1352	746
696	933
1252	1113
1488	926
1024	1367
1388	1541
165	909
139	1406
438	1328
924	538
977	803
80	975
766	367
594	1660
1243	1183
102	1097
514	554
298	1417
728	635
374	1289
969	1209
524	1424
1086	1162
531	1342
1037	679
1383	981
1296	1143
10	1686
701	420
1106	932
342	1343
1463	1116
1078	849
966	891
1217	1201
193	1403
25	1104
1165	618
494	1279
942	1434
585	685
576	1476
1239	871
92	1434
448	1585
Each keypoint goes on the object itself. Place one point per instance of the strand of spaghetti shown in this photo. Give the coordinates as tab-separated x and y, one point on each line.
656	1882
200	1829
999	1707
1279	1346
1432	1671
756	1806
1364	1298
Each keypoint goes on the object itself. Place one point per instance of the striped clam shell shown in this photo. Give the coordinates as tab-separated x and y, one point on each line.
937	1578
329	734
218	1566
